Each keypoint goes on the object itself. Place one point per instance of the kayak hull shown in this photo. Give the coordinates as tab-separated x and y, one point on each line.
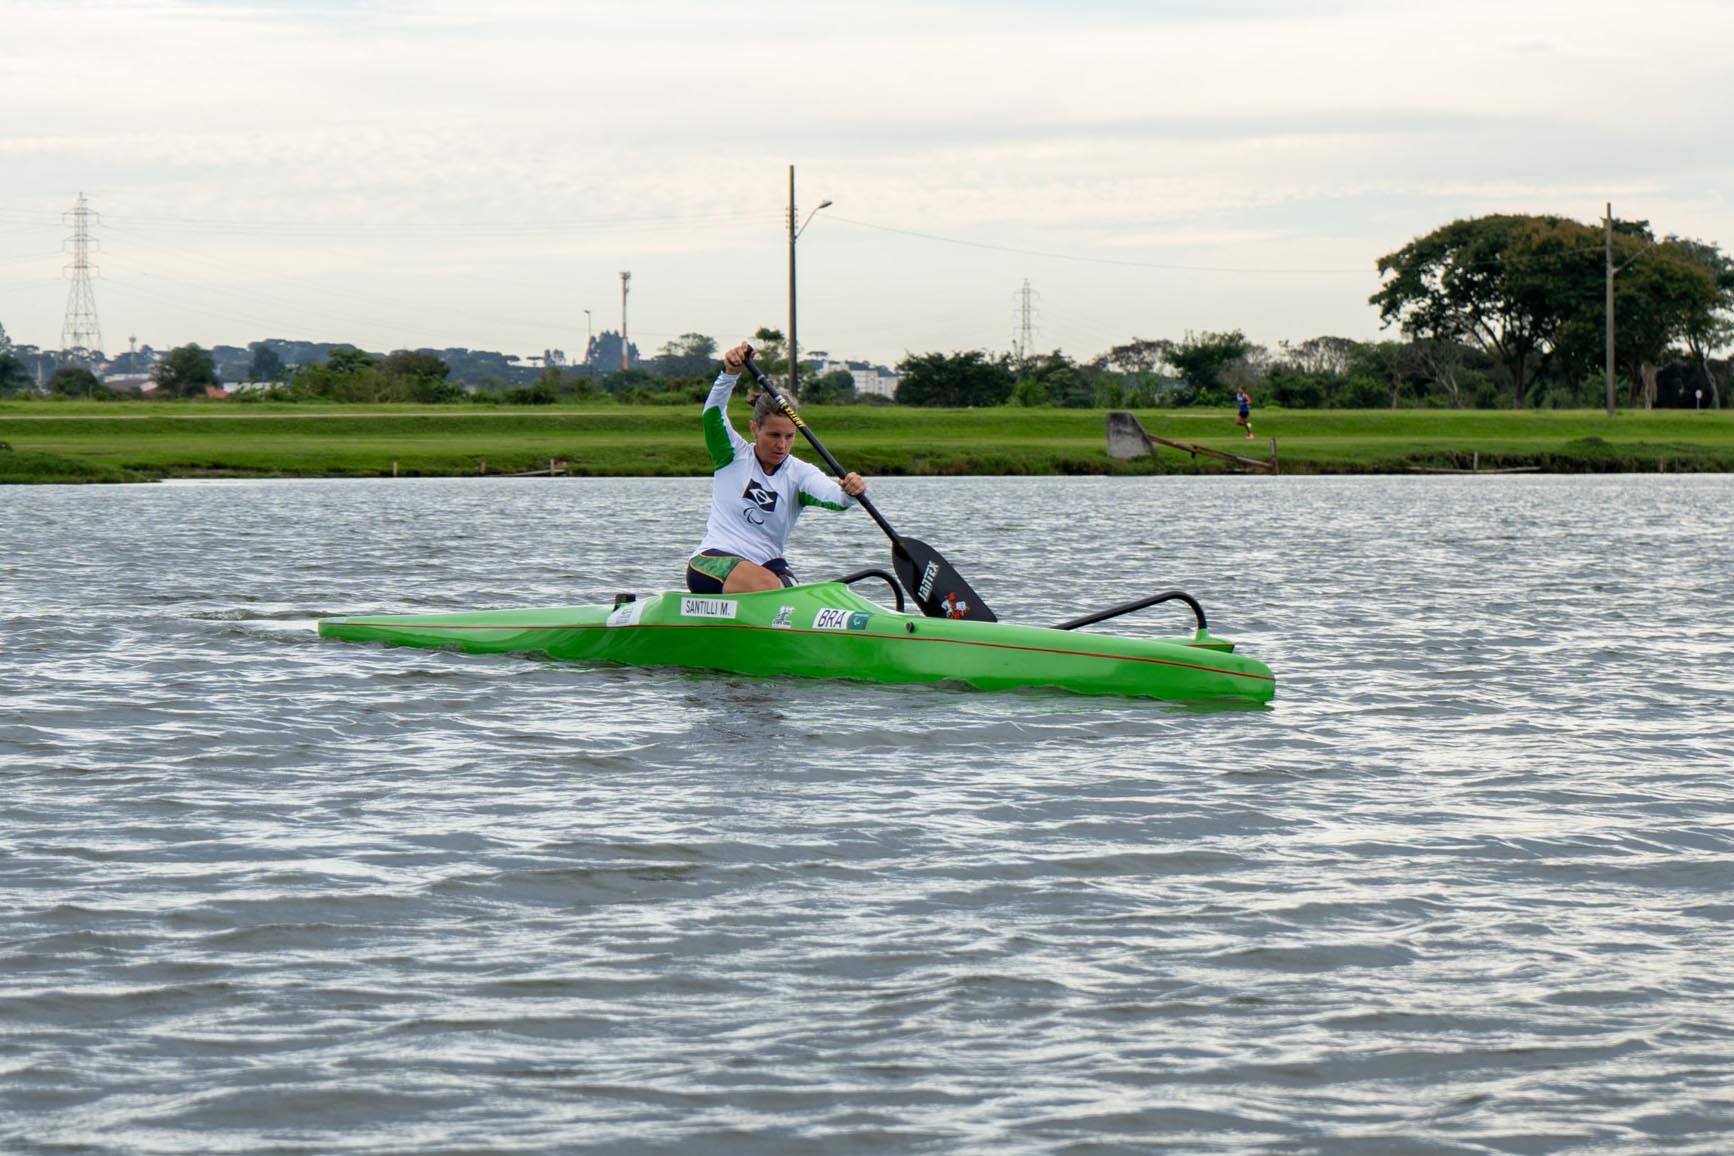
826	630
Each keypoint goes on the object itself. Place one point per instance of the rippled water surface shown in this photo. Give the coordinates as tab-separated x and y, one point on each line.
1466	887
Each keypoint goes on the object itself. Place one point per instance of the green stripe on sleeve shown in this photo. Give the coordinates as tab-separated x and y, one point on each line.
716	438
809	500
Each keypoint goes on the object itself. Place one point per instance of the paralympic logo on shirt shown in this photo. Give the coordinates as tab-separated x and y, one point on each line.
763	501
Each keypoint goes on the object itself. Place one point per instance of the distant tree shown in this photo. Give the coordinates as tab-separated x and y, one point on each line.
834	388
1712	327
415	363
1030	393
1060	379
1293	390
185	371
347	374
420	376
73	381
14	374
604	352
347	359
1318	357
1204	362
1456	372
134	361
688	355
1381	373
266	365
543	392
1139	366
623	381
1138	357
954	379
770	352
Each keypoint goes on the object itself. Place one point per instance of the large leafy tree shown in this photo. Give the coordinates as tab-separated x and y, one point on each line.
1664	292
954	379
185	371
1711	326
1503	283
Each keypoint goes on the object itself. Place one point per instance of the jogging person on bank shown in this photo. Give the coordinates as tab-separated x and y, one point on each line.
1243	404
757	490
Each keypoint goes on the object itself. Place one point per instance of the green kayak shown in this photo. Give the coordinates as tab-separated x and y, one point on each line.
828	630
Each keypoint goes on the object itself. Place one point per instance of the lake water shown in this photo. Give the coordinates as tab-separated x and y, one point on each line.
1466	887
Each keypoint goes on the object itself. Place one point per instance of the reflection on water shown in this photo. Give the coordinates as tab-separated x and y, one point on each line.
1465	888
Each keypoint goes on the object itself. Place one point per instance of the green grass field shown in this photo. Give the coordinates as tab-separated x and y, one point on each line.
82	441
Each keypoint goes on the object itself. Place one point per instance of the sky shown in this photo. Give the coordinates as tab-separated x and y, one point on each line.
458	173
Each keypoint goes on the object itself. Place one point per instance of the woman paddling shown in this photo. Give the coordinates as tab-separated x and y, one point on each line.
757	490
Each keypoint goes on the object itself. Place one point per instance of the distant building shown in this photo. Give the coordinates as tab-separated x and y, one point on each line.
869	378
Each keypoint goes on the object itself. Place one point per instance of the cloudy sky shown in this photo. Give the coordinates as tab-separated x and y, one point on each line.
468	173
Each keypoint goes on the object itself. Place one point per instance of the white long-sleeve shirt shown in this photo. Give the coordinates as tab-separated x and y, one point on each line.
752	511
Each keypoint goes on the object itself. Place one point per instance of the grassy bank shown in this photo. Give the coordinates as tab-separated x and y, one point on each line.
116	442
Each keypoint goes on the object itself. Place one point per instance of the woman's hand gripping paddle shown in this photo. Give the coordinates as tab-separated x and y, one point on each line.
938	589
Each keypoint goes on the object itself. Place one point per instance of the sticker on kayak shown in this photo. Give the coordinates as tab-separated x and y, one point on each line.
833	619
707	608
784	618
626	614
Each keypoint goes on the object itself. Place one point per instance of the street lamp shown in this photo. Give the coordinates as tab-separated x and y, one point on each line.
1608	315
589	339
795	232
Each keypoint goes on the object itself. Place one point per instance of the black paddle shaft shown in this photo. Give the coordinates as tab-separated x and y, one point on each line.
935	585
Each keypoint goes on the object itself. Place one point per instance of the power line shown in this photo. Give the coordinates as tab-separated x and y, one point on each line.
1088	260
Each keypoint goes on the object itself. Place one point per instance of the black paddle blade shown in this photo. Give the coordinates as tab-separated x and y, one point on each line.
939	590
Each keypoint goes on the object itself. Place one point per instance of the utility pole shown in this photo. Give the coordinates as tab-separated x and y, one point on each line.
589	337
1608	245
794	233
82	332
625	348
794	389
